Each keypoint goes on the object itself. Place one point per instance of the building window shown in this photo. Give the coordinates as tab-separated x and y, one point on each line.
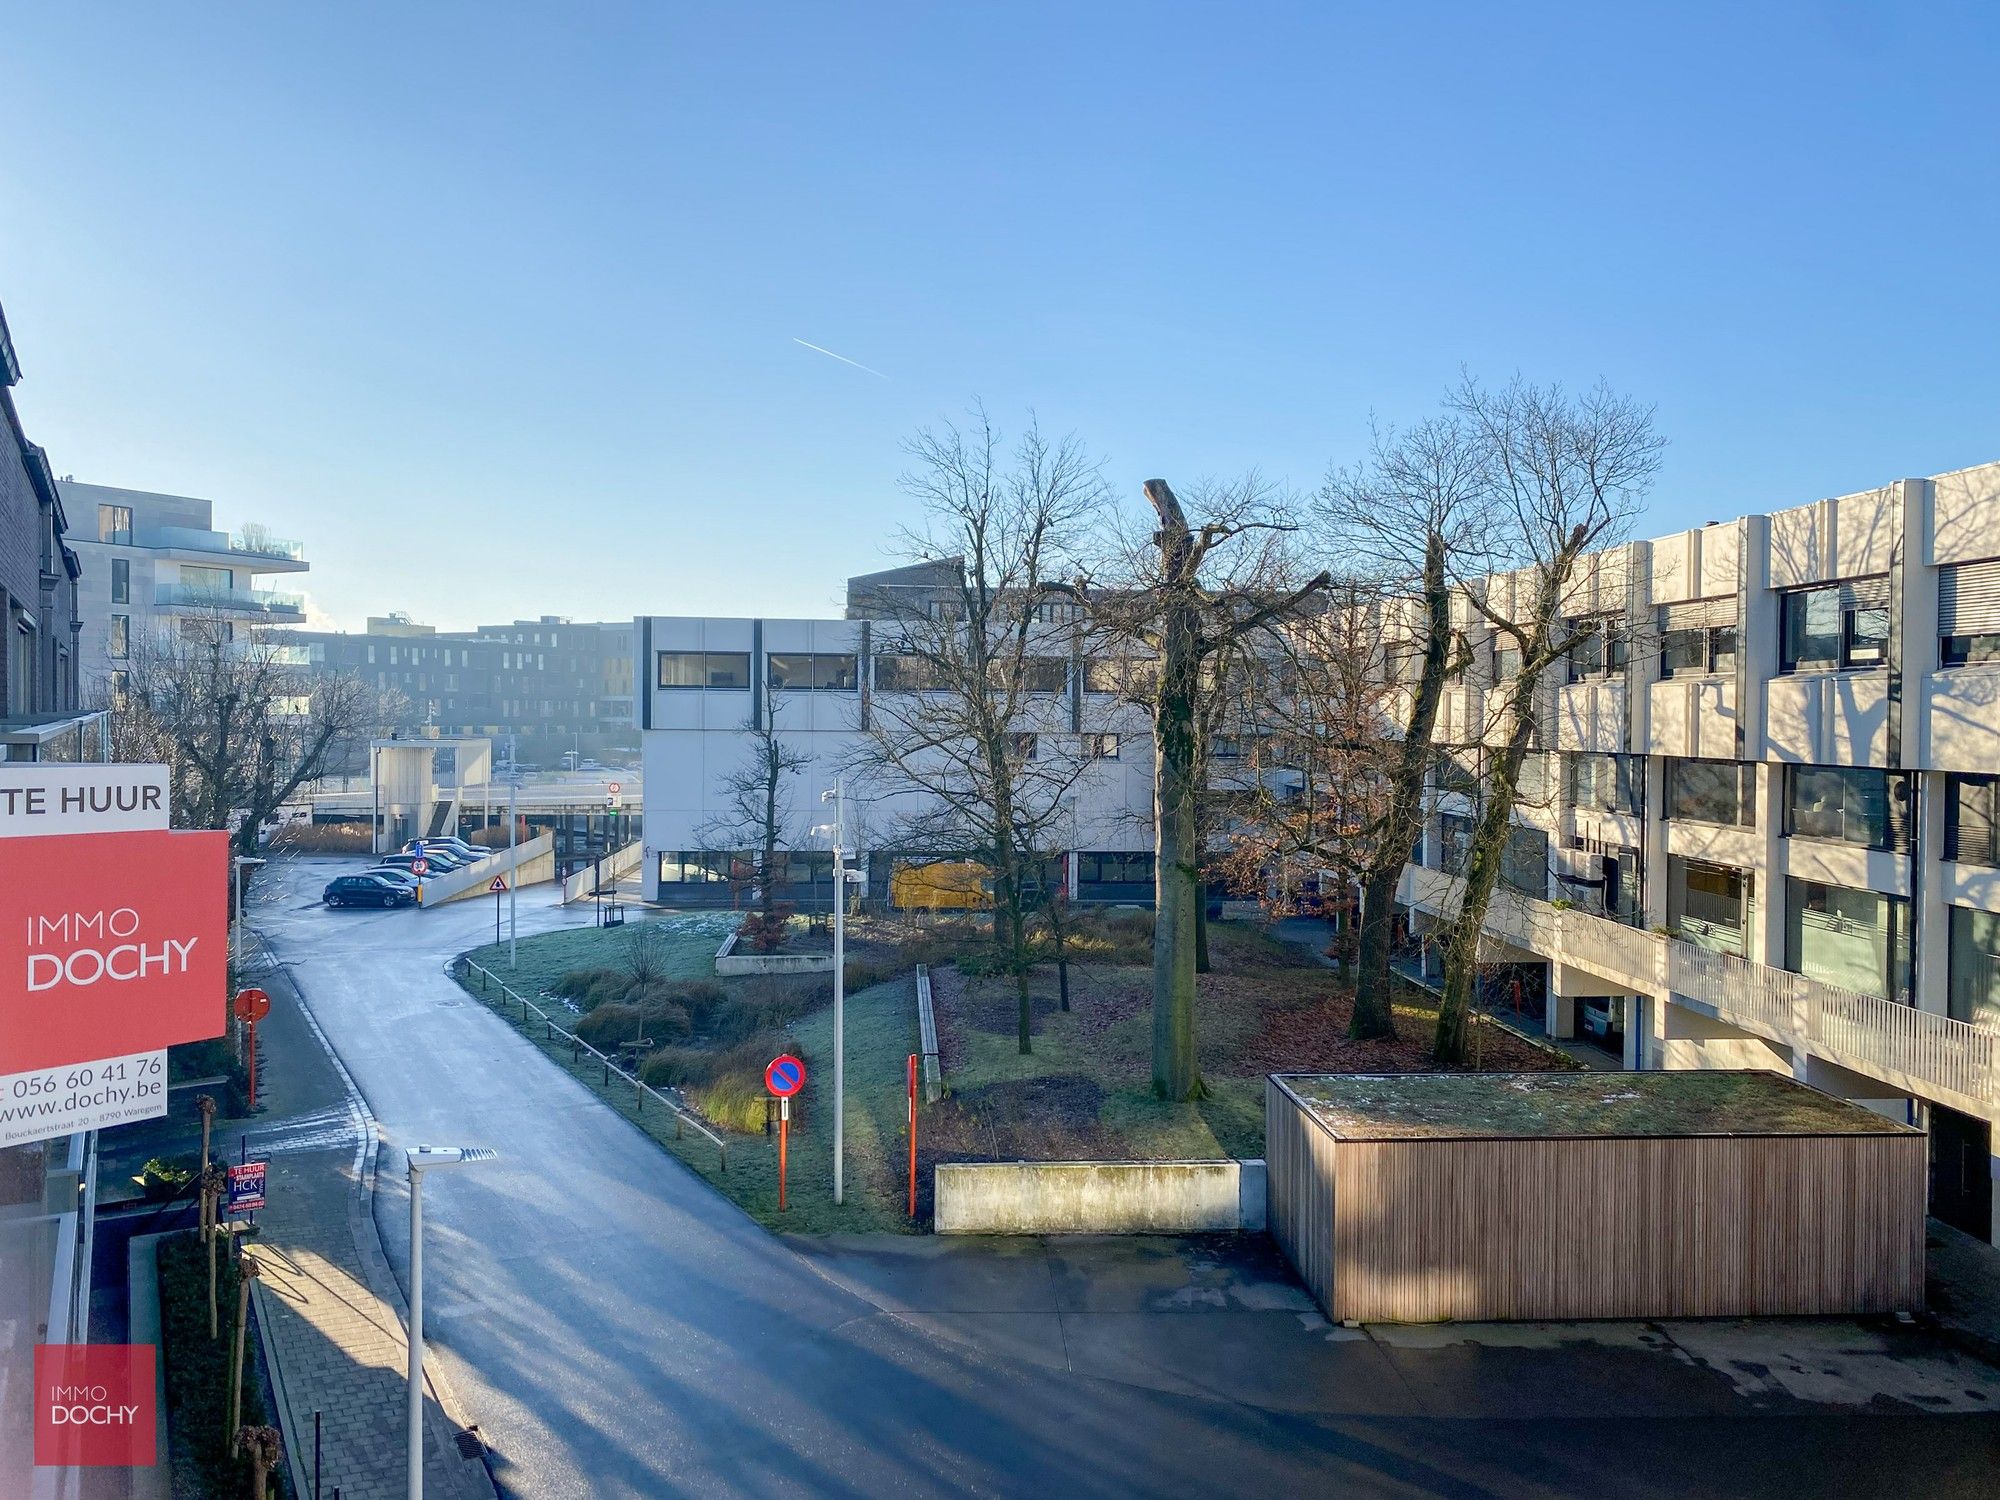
822	671
704	669
1603	650
121	581
1506	662
1835	628
1101	746
1524	864
1859	940
114	524
1131	677
1969	823
908	674
1712	791
121	637
1849	805
1094	869
121	688
1045	674
1454	840
1975	967
1708	905
1023	747
1969	613
696	866
1604	783
1697	650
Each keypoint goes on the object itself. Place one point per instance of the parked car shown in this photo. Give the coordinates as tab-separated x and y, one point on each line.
453	846
397	876
366	890
439	861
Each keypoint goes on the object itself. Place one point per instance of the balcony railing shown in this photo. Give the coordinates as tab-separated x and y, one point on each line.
256	544
250	601
1915	1049
200	539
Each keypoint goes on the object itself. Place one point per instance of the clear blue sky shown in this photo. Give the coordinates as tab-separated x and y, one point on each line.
494	305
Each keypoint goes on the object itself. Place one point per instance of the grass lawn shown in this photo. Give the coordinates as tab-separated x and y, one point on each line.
881	1030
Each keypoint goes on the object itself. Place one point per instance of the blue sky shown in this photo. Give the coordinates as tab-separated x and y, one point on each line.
494	306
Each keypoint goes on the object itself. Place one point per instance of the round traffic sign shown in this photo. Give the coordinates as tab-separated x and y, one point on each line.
420	866
251	1005
785	1076
616	788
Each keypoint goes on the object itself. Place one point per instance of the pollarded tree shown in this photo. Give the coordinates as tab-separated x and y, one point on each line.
966	748
1200	595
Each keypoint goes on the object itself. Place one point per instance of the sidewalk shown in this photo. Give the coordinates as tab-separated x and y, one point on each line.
331	1316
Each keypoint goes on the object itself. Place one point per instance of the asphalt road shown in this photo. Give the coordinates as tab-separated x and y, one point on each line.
620	1331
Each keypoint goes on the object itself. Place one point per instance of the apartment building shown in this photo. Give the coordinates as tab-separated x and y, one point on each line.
1761	827
823	682
554	686
155	563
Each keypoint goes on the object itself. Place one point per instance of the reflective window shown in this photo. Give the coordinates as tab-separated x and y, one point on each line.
704	669
1849	805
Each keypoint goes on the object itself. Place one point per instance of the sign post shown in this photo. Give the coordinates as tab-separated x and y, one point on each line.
913	1134
497	887
250	1007
784	1077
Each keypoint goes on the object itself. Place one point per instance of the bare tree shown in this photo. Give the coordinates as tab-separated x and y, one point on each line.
966	749
1565	475
1201	593
757	811
238	717
1415	518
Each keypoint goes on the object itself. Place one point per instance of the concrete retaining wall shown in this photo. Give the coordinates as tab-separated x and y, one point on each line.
1099	1197
619	862
536	862
729	963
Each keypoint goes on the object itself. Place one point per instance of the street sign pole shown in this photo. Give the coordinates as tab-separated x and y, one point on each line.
513	853
784	1142
913	1134
839	991
784	1076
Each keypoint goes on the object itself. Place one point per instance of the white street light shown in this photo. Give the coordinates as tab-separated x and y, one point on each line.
842	878
421	1157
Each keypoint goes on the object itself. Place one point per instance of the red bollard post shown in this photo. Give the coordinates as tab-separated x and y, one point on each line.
913	1135
251	1027
784	1140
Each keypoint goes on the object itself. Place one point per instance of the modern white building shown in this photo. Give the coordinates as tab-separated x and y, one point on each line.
152	560
700	681
1761	829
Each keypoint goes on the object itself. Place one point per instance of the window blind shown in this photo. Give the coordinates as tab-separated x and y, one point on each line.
1969	598
1699	614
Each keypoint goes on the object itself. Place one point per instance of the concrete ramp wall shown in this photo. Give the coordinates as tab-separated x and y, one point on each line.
530	864
1099	1197
618	863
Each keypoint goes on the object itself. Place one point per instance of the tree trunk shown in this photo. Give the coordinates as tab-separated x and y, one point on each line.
1201	928
1451	1046
1403	822
1177	898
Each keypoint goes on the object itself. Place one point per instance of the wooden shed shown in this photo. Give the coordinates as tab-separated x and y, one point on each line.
1425	1197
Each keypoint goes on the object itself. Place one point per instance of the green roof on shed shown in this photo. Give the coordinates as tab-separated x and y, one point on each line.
1467	1106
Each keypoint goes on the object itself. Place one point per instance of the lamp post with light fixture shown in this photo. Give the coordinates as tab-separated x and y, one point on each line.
420	1159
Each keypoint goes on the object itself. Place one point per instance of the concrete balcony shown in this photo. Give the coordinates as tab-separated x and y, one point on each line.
289	607
254	549
1915	1051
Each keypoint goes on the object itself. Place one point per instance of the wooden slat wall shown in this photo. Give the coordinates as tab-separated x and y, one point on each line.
1605	1228
1299	1193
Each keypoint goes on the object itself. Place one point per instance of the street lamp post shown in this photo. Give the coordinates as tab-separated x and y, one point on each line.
420	1158
841	876
513	854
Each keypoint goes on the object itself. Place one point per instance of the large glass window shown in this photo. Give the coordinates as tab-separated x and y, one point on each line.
907	674
1712	791
1603	649
821	671
1848	804
1454	841
1699	651
121	637
1975	967
1971	832
1099	869
1604	783
1859	940
1708	905
704	669
1524	864
121	581
1046	674
1834	628
695	866
114	524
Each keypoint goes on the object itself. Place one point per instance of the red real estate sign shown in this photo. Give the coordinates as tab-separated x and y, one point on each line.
111	944
94	1406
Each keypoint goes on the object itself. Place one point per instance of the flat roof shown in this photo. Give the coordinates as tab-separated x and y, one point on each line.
1469	1106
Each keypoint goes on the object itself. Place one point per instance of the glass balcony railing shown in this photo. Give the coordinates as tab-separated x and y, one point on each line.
248	543
258	544
247	601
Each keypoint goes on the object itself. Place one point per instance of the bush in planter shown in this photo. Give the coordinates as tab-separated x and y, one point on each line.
163	1177
765	934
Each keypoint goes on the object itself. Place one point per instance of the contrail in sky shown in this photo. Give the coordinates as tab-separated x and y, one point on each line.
842	358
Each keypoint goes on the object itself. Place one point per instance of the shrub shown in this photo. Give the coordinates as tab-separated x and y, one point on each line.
578	983
608	1025
676	1067
197	1369
766	934
735	1101
609	988
162	1177
325	838
699	995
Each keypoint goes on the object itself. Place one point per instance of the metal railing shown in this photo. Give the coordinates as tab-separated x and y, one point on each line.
927	1036
489	982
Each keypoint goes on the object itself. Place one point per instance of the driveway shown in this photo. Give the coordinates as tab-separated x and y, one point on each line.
619	1330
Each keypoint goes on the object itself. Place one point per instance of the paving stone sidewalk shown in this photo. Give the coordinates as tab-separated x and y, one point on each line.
332	1318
